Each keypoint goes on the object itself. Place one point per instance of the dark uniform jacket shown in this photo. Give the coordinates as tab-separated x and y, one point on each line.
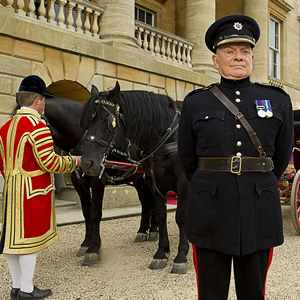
234	214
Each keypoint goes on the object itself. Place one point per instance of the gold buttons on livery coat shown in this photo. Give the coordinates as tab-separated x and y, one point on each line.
239	143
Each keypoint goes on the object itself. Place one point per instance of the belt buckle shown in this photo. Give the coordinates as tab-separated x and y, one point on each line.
236	159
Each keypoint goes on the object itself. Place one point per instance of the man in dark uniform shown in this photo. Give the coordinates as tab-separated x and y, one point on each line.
234	212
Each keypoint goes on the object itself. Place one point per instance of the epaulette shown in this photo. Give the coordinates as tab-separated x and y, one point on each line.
201	89
271	86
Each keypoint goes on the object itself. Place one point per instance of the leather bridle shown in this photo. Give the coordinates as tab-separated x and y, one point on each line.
113	124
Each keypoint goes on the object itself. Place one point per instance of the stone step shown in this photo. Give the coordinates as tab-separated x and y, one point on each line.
114	197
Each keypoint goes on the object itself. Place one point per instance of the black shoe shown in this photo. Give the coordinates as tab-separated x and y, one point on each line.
35	294
14	293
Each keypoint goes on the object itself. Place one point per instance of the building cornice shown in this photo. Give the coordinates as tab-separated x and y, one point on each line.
283	4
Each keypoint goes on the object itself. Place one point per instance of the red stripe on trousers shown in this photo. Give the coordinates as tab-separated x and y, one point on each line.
269	264
196	266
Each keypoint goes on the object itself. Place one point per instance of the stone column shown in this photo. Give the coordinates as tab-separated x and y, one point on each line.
200	14
258	10
117	21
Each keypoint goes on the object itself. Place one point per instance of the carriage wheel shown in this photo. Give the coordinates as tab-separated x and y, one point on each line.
295	202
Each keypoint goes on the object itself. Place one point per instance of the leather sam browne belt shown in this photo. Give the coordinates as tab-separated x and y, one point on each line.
236	164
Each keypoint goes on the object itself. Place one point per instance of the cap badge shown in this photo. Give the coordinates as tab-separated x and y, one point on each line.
238	26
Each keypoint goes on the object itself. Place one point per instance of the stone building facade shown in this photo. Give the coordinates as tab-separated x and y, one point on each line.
154	45
73	44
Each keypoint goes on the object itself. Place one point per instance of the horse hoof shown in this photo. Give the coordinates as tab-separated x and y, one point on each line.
153	236
158	264
81	251
140	237
179	268
90	259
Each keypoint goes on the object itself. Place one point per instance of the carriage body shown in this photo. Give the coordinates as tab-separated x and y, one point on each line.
289	183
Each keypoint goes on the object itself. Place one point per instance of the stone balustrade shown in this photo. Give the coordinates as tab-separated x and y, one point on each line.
276	82
74	15
83	17
163	44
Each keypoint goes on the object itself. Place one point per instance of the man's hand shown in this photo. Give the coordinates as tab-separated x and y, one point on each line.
78	161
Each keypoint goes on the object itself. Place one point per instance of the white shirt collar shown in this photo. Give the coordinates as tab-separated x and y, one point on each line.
25	107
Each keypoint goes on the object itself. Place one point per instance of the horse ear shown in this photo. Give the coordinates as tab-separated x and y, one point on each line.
117	87
94	90
115	92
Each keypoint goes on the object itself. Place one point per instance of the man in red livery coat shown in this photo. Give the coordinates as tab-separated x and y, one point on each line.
27	163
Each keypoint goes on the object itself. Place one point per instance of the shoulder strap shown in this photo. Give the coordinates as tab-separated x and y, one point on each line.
239	116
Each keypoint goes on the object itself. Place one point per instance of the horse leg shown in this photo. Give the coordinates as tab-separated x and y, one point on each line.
82	189
180	261
147	217
92	254
160	258
153	232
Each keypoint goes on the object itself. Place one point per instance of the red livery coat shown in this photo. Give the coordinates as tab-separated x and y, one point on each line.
27	159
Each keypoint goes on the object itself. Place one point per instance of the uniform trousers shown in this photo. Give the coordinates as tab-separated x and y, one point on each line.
213	271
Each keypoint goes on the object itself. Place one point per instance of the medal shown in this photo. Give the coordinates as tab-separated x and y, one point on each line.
269	112
261	113
261	109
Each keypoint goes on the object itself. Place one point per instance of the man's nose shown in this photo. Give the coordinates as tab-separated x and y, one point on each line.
238	55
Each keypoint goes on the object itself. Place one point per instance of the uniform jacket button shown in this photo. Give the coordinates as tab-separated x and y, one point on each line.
239	143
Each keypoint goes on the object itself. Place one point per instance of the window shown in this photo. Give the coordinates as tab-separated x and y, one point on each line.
145	16
274	49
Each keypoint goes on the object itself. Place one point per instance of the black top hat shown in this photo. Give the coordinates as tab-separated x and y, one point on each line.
34	84
232	29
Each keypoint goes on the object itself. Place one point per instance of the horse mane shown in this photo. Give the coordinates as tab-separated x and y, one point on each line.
147	116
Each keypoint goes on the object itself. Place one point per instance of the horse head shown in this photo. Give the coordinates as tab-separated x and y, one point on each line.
102	117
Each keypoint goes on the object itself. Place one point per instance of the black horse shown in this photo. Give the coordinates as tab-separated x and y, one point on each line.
150	121
62	117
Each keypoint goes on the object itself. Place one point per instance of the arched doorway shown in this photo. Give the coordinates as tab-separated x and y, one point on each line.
69	89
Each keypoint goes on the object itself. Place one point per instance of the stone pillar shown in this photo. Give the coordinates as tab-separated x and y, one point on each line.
200	14
117	21
258	10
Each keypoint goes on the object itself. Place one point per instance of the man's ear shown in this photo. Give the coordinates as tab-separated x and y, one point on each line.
215	60
36	100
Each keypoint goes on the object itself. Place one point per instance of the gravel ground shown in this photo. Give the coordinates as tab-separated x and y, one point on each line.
123	274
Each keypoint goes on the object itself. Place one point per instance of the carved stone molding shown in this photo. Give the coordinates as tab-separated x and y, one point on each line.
283	4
